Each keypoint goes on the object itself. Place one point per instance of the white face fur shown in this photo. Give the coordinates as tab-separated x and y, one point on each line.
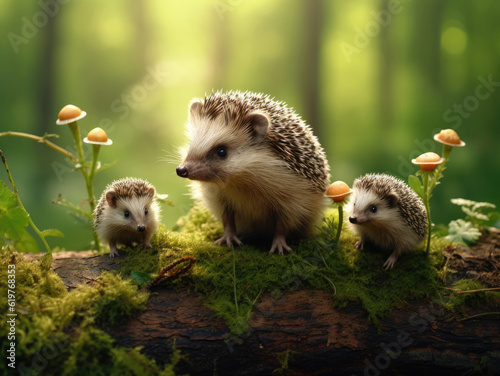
369	209
133	213
218	151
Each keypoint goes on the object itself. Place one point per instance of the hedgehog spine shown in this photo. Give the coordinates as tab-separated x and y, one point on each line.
127	213
246	152
387	213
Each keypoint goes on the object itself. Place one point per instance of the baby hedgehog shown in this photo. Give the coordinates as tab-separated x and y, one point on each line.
127	213
387	213
256	165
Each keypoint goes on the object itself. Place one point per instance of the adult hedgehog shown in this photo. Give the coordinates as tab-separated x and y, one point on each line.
256	165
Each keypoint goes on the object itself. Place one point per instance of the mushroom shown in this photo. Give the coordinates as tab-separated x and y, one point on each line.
97	136
428	161
338	191
70	114
449	137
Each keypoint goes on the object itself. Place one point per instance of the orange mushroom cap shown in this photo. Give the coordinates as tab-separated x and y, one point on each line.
428	161
449	137
70	114
97	136
338	191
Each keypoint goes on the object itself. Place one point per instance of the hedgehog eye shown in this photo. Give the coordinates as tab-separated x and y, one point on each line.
222	151
146	211
127	214
373	208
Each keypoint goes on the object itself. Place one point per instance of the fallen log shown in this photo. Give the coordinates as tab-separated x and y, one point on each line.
302	333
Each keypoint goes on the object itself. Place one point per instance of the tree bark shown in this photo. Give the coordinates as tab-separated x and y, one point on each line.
319	338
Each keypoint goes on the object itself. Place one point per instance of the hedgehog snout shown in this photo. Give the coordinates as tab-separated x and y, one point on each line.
182	171
353	219
141	228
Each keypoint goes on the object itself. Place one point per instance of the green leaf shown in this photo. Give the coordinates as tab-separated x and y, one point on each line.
140	277
13	222
7	198
416	185
163	198
481	205
473	214
53	232
26	243
46	261
461	231
462	202
106	166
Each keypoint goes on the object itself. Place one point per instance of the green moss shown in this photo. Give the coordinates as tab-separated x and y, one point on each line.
454	301
230	282
284	358
57	331
318	263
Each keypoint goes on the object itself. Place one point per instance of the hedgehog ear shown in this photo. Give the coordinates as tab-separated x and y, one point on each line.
195	109
151	192
259	123
392	199
111	198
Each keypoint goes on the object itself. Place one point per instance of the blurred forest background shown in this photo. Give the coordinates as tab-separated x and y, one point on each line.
375	79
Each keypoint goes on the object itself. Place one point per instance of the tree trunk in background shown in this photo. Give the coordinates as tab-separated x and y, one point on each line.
310	75
431	42
45	100
386	69
142	34
219	58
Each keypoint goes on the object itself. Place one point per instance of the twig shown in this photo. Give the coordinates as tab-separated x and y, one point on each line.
63	202
468	291
163	276
41	140
479	315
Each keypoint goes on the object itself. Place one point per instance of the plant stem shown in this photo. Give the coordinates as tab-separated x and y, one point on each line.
75	131
32	224
42	140
93	167
427	208
439	170
341	219
87	175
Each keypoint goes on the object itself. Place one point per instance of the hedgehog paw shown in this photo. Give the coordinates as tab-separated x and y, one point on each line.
228	239
113	251
279	243
359	245
389	263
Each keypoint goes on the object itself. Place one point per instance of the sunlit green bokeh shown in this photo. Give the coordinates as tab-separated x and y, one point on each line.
411	68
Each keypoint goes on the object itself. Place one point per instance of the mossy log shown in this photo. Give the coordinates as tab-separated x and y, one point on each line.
302	332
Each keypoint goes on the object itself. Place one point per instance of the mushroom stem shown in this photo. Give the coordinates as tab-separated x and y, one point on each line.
438	174
341	219
75	131
87	175
43	140
93	167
